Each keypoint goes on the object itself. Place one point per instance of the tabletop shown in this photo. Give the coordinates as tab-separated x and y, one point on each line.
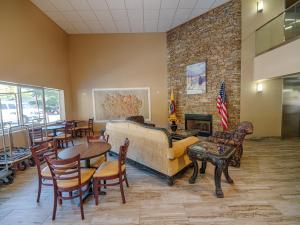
86	150
55	127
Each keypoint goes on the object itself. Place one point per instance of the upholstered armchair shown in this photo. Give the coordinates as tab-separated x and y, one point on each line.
235	138
139	119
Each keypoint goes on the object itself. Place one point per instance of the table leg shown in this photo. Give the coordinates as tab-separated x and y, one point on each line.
195	173
225	170
218	175
203	167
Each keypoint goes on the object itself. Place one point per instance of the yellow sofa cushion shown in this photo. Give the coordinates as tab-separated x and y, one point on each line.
179	147
108	169
86	174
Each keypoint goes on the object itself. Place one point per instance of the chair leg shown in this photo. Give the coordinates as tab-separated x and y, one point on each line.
54	205
39	190
126	180
96	192
67	143
121	189
81	204
104	182
70	193
60	198
72	142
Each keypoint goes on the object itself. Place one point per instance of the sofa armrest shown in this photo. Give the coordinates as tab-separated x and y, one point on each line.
179	147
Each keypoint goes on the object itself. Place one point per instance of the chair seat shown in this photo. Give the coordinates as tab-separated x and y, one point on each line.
44	139
95	163
63	136
46	172
108	169
86	174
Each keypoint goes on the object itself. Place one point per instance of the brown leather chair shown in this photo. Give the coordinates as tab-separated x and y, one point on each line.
234	138
112	170
68	177
38	152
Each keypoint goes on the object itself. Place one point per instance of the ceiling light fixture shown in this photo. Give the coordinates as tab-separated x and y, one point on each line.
260	5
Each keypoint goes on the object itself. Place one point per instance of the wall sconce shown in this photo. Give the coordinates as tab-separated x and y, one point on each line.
259	87
260	5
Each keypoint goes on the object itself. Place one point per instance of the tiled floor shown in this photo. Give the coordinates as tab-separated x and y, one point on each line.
266	191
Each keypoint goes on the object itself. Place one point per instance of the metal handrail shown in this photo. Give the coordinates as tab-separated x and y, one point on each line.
274	18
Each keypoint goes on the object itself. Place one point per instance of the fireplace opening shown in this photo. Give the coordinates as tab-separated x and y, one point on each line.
200	122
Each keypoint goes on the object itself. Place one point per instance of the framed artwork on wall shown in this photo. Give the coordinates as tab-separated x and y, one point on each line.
119	103
196	78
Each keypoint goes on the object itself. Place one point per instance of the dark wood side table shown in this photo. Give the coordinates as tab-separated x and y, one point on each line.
218	155
182	134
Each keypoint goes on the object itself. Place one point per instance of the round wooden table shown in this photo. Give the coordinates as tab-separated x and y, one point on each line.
87	151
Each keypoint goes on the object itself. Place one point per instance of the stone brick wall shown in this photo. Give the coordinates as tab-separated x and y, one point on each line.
216	38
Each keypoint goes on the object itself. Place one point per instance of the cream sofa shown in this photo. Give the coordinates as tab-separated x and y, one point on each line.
151	147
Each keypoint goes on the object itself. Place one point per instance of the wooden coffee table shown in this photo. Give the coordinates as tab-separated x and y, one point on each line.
218	155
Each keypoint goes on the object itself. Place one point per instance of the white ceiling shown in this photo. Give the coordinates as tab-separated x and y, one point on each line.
123	16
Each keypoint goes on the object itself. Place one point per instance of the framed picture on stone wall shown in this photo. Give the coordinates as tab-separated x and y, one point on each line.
196	78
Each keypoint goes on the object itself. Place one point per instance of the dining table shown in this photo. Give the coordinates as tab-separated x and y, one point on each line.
54	128
87	151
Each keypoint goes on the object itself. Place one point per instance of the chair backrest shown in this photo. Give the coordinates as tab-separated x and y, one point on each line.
69	127
91	123
40	151
245	126
123	153
97	138
64	169
35	133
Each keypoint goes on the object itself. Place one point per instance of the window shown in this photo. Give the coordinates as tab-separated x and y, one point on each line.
54	108
9	111
21	104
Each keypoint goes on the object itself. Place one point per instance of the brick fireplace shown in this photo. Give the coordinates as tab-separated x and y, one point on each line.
203	39
201	122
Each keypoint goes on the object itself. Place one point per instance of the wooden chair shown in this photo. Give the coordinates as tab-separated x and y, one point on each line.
88	129
112	170
37	137
96	162
44	175
67	135
68	177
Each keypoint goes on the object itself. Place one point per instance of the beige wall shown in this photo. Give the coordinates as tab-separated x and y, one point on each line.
118	61
278	62
33	49
263	109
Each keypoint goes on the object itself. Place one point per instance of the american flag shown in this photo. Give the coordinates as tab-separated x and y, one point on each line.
221	106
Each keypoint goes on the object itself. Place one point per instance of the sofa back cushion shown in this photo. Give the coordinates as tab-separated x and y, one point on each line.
148	146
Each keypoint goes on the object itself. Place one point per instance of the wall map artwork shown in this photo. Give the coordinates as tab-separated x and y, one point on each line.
196	78
119	103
